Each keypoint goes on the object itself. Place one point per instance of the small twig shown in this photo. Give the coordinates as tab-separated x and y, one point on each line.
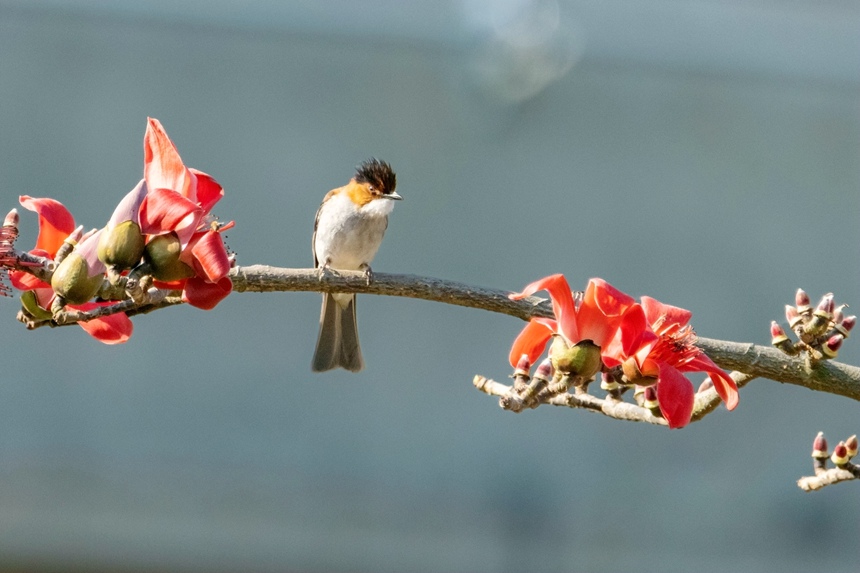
827	477
607	406
154	299
708	400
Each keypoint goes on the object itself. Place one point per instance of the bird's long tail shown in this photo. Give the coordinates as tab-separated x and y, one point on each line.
337	343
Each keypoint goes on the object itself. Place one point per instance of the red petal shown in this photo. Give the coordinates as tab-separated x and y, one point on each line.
25	281
563	306
206	295
55	222
169	285
676	396
723	383
209	191
601	311
654	309
113	329
531	341
162	166
632	334
163	211
209	256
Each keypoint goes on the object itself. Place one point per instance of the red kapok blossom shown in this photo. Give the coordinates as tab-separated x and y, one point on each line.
179	200
665	352
55	225
597	318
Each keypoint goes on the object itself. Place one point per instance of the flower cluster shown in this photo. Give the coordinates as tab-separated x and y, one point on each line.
645	344
160	234
820	330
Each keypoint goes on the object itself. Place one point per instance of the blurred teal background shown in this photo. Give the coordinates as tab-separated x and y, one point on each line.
705	153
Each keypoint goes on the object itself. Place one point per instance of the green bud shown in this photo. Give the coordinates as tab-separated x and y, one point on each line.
581	359
71	280
162	254
122	246
31	306
632	374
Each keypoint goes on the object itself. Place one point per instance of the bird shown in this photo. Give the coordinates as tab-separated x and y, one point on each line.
348	230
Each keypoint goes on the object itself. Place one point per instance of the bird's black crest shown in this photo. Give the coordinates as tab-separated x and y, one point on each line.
377	173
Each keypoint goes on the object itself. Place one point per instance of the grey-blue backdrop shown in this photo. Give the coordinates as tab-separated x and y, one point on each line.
705	153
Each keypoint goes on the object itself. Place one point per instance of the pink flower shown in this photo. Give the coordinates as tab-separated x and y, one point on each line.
597	318
178	200
55	225
664	351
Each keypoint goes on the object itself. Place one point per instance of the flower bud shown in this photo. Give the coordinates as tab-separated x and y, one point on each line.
821	316
521	374
845	325
80	275
792	316
32	307
121	246
777	333
69	244
73	282
539	381
11	219
838	313
780	340
831	348
162	253
633	375
544	371
801	300
650	400
819	447
851	446
840	454
608	383
523	366
581	359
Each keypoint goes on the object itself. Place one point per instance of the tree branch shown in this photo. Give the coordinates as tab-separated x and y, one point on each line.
750	359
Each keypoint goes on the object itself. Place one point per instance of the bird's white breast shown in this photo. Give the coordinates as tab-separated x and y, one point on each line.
349	236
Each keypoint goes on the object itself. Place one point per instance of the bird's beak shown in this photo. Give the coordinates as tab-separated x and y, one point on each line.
393	195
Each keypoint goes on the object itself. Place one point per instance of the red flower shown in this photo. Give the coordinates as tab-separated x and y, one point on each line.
178	200
55	225
665	351
597	318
